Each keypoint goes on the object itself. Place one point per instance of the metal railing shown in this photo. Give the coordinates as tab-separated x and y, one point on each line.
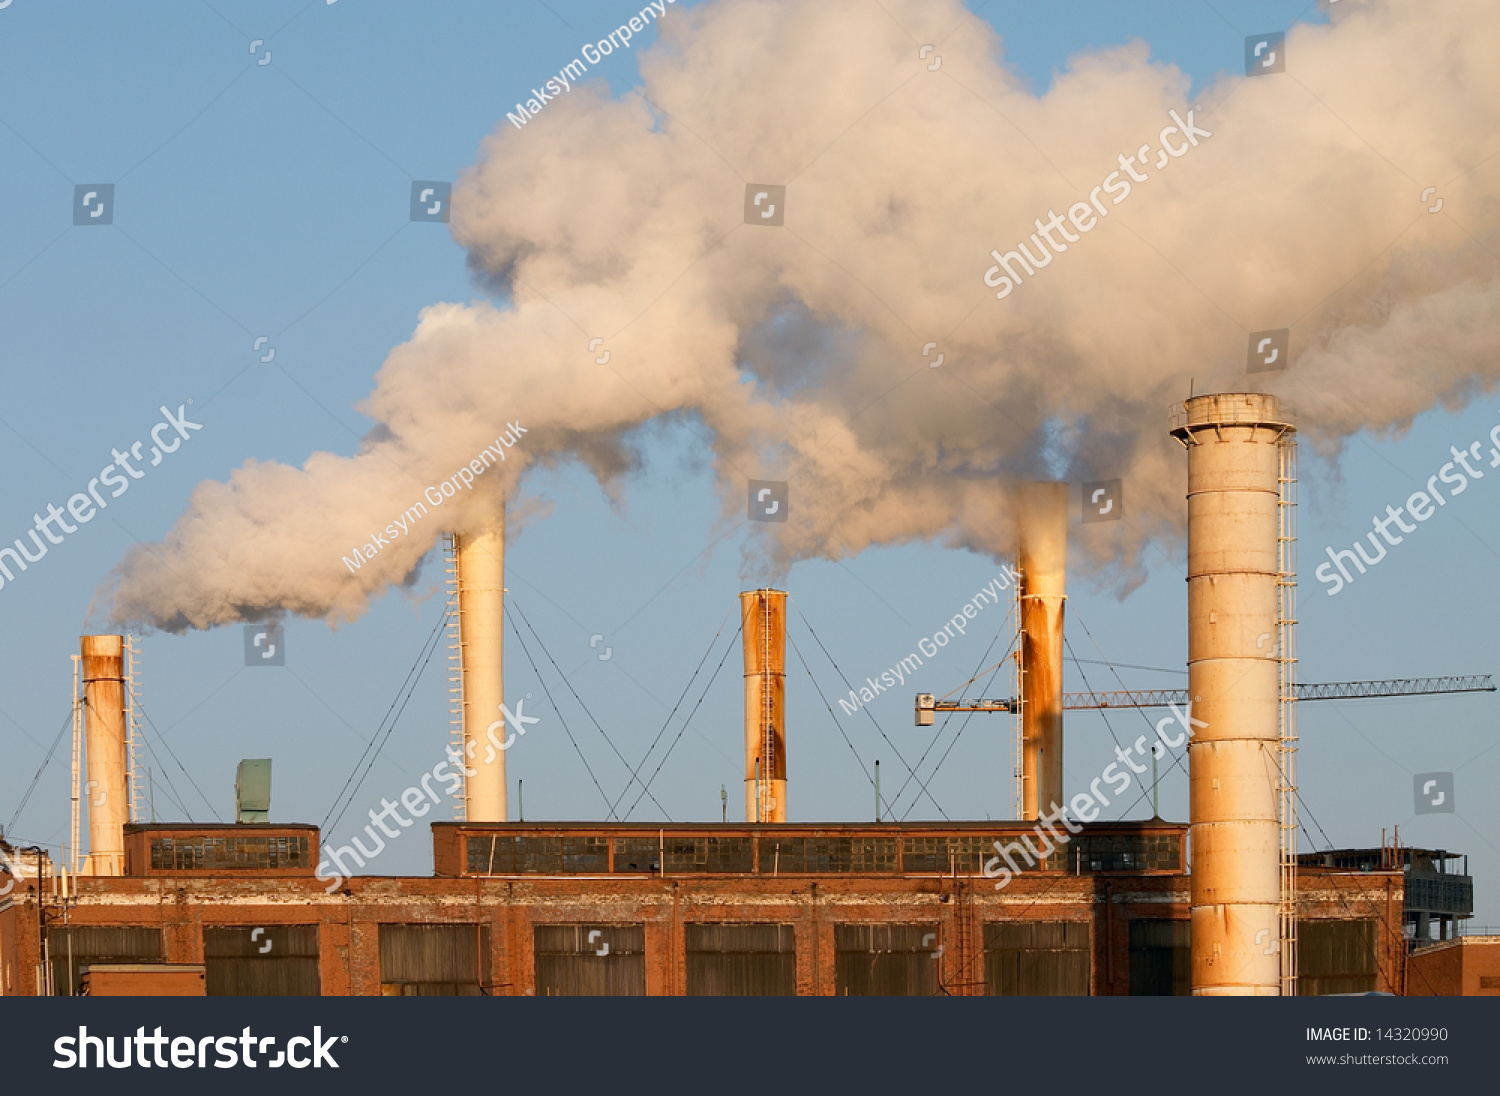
1230	409
1463	928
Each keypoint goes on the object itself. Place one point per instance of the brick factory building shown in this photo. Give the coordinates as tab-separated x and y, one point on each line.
713	909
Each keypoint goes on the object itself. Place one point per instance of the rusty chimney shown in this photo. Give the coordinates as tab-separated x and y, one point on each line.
479	562
103	659
763	615
1042	559
1234	457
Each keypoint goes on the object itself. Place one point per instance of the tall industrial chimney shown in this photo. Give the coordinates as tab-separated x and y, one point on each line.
479	560
1233	443
1042	558
763	614
103	659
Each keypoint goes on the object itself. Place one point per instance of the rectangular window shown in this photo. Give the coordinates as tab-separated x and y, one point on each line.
1126	852
261	852
826	855
1336	957
598	960
967	854
1161	956
434	960
73	947
1037	958
741	961
497	854
262	961
686	854
886	960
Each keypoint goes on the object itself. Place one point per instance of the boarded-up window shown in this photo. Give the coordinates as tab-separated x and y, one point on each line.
1335	957
262	961
1161	958
434	960
1037	959
886	960
590	960
73	947
741	961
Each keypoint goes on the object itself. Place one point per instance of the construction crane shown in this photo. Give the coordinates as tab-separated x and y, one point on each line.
928	706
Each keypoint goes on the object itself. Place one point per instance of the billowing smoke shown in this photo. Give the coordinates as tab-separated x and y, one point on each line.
1289	200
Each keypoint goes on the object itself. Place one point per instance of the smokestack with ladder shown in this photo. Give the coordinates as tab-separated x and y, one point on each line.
1234	450
763	615
103	659
479	560
1042	559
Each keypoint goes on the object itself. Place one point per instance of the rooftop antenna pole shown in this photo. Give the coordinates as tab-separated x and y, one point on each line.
877	789
521	799
724	803
1155	802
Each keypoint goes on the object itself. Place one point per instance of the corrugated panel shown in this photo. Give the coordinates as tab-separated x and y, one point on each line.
447	959
1161	958
886	960
741	961
97	944
262	961
1037	958
1335	957
569	962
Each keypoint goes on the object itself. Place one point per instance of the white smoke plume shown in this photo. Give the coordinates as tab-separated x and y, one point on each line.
800	348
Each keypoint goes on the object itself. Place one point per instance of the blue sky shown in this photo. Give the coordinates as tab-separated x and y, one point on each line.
272	200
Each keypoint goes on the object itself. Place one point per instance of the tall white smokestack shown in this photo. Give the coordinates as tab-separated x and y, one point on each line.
1042	558
104	736
763	613
480	562
1233	443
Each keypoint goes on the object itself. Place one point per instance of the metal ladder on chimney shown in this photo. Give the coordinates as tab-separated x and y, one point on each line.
455	672
134	736
767	712
1286	656
1016	717
74	856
